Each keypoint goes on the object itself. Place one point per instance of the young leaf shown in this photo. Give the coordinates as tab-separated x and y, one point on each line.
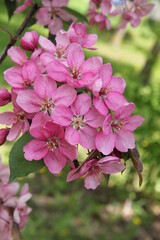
11	6
38	2
19	166
80	17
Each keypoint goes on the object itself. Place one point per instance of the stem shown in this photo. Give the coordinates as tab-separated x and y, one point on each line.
19	32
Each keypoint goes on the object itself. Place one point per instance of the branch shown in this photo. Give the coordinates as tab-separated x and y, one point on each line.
19	31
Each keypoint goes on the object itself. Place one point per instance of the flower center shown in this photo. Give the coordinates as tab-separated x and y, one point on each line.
52	144
20	117
60	53
75	73
78	122
47	105
27	83
117	125
104	91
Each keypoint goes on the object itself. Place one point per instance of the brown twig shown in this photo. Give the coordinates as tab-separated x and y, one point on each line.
19	32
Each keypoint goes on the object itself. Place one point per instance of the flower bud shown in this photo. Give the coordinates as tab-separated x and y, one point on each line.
5	96
3	134
29	41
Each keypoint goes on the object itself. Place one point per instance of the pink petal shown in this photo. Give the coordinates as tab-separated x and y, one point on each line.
110	165
30	71
105	7
44	86
87	137
62	39
107	124
124	111
68	150
115	100
7	118
62	115
54	25
92	65
75	56
57	3
46	58
89	40
124	140
17	55
40	119
106	74
100	106
105	143
41	133
29	101
93	179
64	95
55	161
118	84
82	104
72	135
133	122
35	150
13	77
57	71
47	45
94	118
55	129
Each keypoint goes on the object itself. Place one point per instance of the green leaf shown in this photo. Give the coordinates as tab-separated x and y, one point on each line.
80	17
19	166
38	2
11	6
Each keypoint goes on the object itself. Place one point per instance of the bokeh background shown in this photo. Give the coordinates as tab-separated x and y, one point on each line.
118	210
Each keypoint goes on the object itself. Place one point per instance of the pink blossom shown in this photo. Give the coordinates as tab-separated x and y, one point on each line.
108	90
94	171
29	41
5	97
79	72
16	119
80	121
22	76
142	7
117	130
78	34
3	135
45	96
13	209
52	14
26	4
17	55
54	52
51	145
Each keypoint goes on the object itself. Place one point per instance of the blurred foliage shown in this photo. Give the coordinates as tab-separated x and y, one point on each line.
120	210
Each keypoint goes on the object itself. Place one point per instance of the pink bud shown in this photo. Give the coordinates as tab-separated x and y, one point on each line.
29	41
5	96
3	134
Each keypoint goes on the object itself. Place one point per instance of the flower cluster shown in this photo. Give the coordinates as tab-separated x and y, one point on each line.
51	14
64	100
14	212
130	11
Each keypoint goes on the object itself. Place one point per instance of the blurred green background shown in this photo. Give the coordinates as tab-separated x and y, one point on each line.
120	210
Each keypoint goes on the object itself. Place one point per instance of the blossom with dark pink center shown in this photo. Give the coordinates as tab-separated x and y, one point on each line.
22	77
16	119
94	170
29	41
5	97
51	145
54	52
53	15
79	72
45	96
81	121
108	91
117	130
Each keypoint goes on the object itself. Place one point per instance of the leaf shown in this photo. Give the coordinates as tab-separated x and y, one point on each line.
137	162
80	17
11	6
19	166
107	177
38	2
